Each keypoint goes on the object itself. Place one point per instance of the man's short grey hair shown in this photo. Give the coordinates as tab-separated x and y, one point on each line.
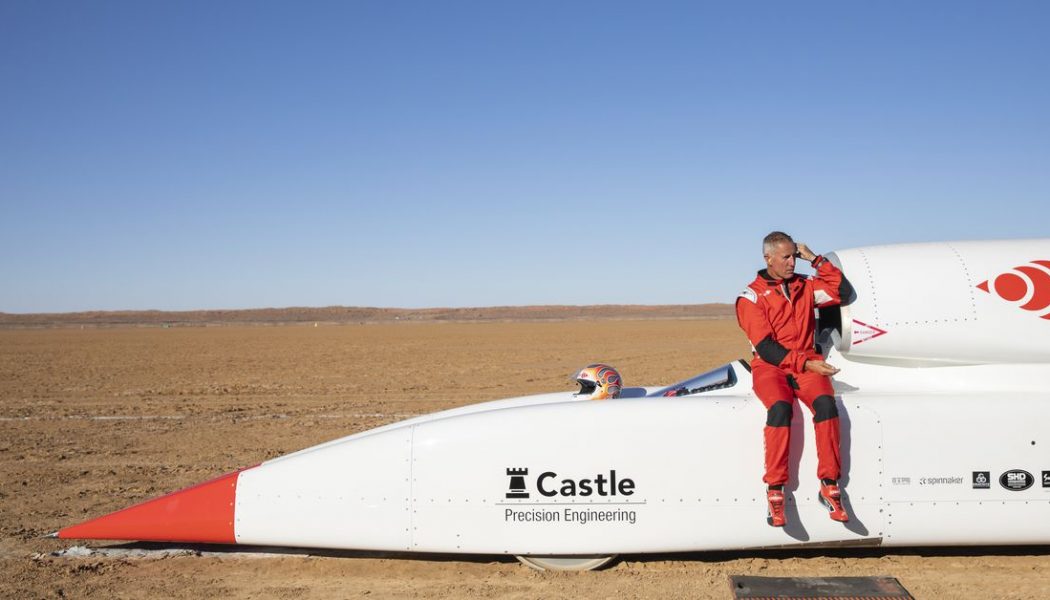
770	241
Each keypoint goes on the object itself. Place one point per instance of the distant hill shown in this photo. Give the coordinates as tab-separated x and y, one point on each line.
355	314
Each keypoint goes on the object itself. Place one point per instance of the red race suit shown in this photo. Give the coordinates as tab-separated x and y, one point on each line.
777	316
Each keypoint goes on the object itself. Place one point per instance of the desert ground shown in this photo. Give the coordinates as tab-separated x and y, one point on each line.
93	419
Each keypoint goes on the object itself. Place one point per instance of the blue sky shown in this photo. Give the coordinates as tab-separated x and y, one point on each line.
190	155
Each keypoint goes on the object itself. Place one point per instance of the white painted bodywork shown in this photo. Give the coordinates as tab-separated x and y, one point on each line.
957	385
926	297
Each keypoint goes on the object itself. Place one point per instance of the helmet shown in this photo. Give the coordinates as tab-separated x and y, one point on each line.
599	382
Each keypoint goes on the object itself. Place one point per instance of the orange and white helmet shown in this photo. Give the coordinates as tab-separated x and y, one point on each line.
599	382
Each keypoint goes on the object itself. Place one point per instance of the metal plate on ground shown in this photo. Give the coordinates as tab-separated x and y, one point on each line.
825	588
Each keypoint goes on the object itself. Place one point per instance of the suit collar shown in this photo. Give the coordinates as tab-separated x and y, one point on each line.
766	277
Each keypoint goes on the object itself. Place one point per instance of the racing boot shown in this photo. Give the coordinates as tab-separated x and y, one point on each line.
831	498
775	511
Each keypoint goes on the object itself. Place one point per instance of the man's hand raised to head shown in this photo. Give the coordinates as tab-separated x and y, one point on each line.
804	252
820	367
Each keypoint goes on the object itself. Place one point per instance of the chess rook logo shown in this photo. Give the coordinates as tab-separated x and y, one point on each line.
517	483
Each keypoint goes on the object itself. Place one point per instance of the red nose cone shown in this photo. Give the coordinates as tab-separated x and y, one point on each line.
202	513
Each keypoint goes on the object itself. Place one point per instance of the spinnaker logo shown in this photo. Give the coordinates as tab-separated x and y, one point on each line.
1027	286
1016	480
550	485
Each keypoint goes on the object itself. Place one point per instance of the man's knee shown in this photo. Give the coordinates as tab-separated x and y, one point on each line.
779	415
824	408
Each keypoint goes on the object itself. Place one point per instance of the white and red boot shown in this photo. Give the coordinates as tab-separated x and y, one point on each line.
775	511
831	498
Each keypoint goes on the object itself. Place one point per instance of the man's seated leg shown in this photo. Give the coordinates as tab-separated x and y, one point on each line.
771	387
815	391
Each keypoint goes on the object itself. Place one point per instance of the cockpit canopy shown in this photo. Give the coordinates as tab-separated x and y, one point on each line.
716	379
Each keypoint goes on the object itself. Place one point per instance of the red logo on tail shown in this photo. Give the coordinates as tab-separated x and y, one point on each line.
1028	286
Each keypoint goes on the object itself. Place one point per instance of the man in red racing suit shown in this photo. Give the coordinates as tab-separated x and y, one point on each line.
776	312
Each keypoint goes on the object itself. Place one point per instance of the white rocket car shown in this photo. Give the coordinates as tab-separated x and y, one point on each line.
944	397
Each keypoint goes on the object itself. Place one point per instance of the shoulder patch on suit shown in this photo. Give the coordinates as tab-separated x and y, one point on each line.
749	294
